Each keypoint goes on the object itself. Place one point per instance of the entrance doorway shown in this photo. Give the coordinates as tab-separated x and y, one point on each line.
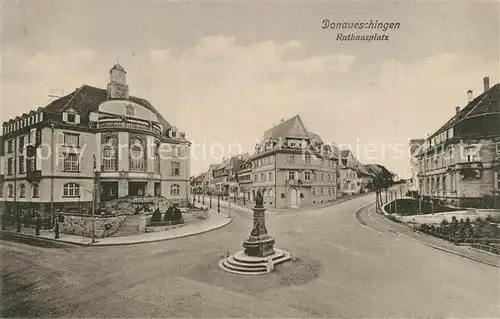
294	198
137	188
109	191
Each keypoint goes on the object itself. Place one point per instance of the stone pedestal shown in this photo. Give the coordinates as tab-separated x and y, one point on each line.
259	244
143	219
260	256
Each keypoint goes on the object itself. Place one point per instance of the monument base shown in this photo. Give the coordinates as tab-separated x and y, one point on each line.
243	264
257	247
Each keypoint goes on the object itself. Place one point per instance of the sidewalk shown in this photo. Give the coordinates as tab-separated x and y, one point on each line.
406	230
278	211
215	221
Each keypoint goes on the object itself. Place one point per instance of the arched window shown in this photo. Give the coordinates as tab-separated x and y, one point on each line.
36	190
11	190
71	190
109	158
137	156
175	189
271	193
22	191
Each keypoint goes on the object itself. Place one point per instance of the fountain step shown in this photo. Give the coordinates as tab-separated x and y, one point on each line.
230	260
241	270
248	265
244	258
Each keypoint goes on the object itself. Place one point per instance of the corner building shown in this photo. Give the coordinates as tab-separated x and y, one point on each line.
293	167
92	141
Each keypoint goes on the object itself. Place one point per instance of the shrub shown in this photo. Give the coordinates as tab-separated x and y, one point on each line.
156	216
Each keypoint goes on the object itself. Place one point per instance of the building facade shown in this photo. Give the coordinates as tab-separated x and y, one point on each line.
460	162
293	167
348	181
94	143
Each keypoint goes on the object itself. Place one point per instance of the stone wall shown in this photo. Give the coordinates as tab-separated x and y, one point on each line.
81	225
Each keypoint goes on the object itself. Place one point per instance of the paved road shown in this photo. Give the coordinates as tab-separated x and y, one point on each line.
344	269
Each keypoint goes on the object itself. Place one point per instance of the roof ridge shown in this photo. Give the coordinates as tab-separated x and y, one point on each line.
71	99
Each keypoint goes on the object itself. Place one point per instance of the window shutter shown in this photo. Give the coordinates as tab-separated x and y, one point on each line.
60	162
82	162
65	117
60	138
77	119
81	141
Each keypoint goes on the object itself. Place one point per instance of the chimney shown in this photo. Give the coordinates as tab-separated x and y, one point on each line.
469	95
282	120
457	109
486	83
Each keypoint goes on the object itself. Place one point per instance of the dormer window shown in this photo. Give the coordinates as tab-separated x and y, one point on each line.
71	117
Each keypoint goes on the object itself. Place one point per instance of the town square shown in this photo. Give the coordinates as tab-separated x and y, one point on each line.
342	160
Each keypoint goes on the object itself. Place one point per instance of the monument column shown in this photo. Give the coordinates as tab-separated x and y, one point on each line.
259	243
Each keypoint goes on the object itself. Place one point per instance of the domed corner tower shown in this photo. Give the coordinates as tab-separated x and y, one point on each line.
117	86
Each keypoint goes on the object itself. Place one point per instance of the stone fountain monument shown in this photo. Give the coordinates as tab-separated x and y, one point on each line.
259	256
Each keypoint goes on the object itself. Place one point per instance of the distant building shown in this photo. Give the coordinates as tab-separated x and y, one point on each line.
101	141
460	162
348	181
292	167
244	178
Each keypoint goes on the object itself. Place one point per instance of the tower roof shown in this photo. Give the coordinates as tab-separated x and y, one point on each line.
118	67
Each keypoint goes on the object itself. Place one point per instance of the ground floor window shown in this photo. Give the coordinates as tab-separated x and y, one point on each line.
11	190
498	180
175	189
22	191
71	190
36	190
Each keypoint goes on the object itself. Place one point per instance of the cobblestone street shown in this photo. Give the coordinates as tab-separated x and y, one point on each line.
340	264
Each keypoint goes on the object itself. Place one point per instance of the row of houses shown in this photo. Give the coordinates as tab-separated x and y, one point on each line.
460	162
291	167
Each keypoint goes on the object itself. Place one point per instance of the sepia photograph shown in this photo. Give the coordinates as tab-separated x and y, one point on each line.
249	159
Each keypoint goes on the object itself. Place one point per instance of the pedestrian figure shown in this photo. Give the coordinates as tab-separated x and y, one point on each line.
56	226
38	224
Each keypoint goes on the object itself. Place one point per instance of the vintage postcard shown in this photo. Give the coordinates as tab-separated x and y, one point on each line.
250	159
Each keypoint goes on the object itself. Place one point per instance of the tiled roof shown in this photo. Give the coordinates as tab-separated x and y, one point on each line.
315	137
487	102
286	129
224	164
86	98
345	153
361	169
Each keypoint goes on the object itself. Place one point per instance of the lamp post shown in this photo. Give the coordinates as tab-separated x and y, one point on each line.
210	194
218	203
92	212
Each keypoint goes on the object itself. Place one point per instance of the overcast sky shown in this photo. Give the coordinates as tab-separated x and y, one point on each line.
224	72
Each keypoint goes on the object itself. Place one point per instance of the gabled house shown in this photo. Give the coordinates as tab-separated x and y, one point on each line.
460	162
293	167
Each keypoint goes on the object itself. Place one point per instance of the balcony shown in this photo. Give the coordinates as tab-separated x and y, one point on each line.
32	176
298	182
469	165
129	125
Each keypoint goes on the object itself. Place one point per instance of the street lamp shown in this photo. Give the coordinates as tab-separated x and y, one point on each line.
92	213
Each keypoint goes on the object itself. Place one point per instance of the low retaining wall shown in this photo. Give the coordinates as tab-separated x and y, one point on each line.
150	229
81	225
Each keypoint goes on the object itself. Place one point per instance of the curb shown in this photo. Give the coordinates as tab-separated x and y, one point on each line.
226	222
38	240
63	242
434	246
